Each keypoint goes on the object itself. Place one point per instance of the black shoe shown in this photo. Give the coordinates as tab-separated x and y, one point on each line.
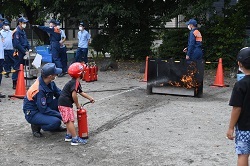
60	129
14	84
36	130
2	96
37	134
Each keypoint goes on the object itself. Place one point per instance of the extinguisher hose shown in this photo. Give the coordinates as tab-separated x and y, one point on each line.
85	103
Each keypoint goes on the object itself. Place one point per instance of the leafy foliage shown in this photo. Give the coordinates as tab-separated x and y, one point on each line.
174	41
128	25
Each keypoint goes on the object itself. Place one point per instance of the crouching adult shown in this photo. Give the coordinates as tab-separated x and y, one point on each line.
40	104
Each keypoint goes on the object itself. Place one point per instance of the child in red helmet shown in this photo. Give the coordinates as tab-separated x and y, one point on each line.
68	97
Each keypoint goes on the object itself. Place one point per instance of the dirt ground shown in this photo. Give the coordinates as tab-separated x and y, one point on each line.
127	126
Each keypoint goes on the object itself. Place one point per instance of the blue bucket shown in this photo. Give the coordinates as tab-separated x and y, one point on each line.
240	76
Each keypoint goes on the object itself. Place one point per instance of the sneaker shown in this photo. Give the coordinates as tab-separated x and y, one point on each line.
78	141
68	138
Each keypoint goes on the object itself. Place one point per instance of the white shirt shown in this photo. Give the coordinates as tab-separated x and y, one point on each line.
1	47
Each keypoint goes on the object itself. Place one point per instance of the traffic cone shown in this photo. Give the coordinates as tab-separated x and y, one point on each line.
219	79
20	86
146	71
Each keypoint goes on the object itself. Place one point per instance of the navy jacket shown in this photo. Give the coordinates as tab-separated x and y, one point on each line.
194	45
20	40
40	98
55	33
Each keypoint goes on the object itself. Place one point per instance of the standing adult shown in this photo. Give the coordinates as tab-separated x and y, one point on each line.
83	43
40	104
63	51
1	58
55	38
194	50
9	59
20	43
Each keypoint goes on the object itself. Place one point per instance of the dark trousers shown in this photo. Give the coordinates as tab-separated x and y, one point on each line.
64	59
1	69
55	49
82	55
48	122
11	61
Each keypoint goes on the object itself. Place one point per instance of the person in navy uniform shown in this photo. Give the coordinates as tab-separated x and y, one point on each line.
63	50
40	105
194	50
20	43
55	38
84	41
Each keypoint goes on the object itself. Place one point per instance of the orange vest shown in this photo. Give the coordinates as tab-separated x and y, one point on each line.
197	35
33	90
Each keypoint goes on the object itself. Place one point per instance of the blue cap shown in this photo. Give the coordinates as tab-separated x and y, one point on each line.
82	24
50	69
6	22
22	19
53	21
192	21
58	22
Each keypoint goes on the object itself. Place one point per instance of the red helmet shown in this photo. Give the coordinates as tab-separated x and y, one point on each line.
76	69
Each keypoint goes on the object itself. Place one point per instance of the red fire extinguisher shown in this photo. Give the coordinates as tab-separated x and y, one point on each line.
91	69
82	122
96	73
87	74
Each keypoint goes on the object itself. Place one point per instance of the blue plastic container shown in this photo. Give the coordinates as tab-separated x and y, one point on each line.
45	52
240	76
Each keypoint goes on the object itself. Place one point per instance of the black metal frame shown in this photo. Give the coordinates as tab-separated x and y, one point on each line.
163	73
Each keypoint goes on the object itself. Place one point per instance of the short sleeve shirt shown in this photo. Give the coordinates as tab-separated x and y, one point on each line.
241	98
65	98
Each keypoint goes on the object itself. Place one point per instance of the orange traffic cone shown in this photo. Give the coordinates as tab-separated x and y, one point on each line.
146	71
20	87
219	79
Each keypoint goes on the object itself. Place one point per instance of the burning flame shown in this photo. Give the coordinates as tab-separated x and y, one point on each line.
187	81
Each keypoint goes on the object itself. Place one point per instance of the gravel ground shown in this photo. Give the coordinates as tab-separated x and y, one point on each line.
127	126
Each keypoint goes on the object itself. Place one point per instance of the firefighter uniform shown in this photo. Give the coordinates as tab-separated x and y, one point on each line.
20	41
194	45
63	51
55	37
21	44
194	50
40	104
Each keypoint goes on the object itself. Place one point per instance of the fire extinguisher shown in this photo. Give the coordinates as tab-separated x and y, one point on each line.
96	73
87	74
82	122
83	78
91	69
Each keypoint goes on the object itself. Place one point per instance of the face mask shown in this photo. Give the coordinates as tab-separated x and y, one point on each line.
24	25
7	27
189	27
58	26
80	28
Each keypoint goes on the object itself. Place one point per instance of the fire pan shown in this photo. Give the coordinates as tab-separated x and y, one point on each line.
175	77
